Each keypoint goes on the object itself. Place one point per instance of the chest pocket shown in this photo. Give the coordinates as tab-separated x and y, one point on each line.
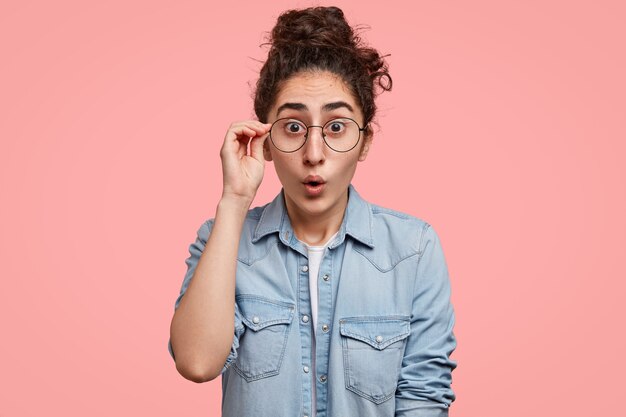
373	348
262	346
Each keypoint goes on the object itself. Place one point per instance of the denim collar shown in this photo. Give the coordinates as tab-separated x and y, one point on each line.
357	221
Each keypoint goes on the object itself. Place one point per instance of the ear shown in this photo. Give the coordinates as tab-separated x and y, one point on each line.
266	150
367	142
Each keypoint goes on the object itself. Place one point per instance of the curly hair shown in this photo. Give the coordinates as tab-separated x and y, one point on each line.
320	39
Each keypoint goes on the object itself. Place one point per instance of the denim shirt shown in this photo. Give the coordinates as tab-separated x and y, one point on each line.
385	321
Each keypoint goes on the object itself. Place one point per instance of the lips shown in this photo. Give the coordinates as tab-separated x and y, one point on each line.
314	180
314	185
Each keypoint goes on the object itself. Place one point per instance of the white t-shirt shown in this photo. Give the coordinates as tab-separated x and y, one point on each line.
315	258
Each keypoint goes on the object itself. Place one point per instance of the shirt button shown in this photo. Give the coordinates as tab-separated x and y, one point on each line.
323	378
305	268
326	277
286	235
379	339
325	327
305	318
255	320
306	369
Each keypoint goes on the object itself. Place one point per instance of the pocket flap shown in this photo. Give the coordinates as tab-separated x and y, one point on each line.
258	312
378	332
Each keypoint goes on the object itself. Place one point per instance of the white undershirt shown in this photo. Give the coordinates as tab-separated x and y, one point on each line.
315	258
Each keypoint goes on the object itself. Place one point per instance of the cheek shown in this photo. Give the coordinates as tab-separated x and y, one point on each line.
284	167
345	169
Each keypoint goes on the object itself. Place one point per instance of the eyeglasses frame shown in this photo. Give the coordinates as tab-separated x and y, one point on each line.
306	135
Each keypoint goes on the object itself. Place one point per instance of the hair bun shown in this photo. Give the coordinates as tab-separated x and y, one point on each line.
320	27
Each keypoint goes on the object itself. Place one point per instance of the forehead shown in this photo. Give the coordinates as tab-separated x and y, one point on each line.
314	90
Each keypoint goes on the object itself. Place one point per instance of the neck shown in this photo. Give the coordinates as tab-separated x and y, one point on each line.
315	229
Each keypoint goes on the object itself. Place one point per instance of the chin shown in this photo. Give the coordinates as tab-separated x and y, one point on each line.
306	203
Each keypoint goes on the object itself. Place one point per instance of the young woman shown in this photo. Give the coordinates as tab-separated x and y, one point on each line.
341	307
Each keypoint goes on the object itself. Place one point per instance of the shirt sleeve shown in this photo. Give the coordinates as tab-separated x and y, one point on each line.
195	251
426	375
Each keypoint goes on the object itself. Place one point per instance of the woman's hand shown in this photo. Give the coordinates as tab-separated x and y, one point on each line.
243	173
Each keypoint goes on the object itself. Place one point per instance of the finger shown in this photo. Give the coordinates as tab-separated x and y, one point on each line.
249	133
246	133
236	142
256	147
259	127
239	135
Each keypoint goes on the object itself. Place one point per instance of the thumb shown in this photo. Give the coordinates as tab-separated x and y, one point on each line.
256	147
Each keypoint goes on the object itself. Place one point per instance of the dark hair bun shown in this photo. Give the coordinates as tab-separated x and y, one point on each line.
327	28
321	27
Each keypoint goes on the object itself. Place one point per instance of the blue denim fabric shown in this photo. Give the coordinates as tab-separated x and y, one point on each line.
385	321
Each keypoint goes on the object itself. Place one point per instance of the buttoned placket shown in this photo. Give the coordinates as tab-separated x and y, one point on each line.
304	313
324	320
306	331
327	289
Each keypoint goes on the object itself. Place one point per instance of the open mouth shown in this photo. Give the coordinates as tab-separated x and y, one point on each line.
314	185
314	180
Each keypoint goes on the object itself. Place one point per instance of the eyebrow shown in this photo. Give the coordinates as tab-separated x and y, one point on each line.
326	107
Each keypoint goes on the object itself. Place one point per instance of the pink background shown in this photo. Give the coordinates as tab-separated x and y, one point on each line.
505	130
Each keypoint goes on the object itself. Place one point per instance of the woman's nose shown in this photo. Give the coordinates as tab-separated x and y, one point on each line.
314	148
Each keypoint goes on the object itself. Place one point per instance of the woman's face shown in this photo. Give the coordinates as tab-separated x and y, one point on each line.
314	98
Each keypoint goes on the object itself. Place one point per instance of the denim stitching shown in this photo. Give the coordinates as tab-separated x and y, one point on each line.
253	326
269	373
425	227
250	261
382	210
373	343
286	331
346	361
381	269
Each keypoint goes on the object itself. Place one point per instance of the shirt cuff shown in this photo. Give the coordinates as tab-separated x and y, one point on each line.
418	408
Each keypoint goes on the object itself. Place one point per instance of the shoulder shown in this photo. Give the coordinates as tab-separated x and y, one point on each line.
396	224
403	232
396	235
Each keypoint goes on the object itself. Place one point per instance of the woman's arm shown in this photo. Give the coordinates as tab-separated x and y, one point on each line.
202	329
426	375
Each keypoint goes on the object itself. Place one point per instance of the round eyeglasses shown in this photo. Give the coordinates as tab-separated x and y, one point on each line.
341	134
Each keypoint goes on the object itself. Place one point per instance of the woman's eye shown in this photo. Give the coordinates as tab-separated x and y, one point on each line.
293	127
336	127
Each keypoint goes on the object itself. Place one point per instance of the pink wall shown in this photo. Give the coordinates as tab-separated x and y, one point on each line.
505	130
